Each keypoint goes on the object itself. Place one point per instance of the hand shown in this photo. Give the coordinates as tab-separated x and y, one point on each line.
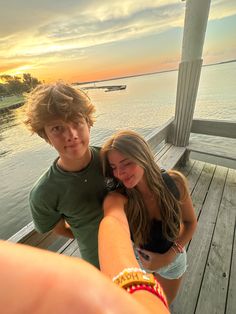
154	261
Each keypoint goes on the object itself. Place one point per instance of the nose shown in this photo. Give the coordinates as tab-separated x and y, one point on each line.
120	173
71	133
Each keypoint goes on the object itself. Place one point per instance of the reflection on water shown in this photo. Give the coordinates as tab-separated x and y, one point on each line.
147	102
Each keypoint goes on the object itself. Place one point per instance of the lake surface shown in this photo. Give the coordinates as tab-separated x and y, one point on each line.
147	103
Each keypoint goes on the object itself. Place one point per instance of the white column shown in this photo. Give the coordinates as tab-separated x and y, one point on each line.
196	16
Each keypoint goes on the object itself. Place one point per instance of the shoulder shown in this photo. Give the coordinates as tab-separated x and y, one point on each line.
115	198
96	159
180	181
114	206
44	186
95	150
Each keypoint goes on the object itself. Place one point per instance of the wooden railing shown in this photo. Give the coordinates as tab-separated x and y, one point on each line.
211	151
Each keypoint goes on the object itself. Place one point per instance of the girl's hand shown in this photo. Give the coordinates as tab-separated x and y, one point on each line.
154	261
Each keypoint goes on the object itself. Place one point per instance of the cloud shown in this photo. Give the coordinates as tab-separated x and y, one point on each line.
94	25
221	9
43	32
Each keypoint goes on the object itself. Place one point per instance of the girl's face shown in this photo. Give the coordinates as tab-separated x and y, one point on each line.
125	170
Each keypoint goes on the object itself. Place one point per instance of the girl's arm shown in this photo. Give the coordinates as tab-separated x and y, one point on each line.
188	226
189	219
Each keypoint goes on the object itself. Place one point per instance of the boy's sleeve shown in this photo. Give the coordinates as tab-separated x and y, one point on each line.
44	213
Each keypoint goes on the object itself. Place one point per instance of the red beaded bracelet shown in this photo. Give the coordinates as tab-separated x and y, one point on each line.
156	290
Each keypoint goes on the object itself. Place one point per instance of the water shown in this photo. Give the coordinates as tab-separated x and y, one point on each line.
147	103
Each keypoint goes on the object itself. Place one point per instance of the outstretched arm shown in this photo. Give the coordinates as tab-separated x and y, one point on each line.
116	250
39	281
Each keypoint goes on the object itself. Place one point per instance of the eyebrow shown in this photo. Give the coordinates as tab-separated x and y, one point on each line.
53	123
120	162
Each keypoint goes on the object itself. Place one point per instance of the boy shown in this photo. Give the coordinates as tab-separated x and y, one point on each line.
68	197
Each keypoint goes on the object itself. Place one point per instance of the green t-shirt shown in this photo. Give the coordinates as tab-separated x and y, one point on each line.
75	196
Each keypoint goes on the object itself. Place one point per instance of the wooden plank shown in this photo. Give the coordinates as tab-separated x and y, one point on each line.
214	127
215	282
76	253
199	247
201	189
211	149
23	233
213	159
49	241
171	157
70	249
186	169
158	153
231	300
194	175
159	134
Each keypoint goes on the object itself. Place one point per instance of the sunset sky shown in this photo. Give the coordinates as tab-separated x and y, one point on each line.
85	40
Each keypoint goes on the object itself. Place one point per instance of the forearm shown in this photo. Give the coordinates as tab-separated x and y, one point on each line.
114	242
186	233
48	277
116	253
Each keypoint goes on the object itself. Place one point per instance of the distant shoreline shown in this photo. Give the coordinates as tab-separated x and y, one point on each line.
6	108
148	73
17	104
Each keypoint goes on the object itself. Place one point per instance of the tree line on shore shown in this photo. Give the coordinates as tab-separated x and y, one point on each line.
17	85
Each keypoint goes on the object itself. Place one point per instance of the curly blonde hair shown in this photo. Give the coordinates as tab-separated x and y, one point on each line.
134	147
48	102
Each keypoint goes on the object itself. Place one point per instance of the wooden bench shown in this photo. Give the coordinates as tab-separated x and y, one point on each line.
212	153
218	153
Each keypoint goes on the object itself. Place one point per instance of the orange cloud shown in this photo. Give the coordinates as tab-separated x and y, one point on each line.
10	67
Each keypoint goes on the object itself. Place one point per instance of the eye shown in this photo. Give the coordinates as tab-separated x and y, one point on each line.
127	164
78	122
57	129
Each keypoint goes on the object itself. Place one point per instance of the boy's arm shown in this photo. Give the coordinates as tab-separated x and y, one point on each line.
62	228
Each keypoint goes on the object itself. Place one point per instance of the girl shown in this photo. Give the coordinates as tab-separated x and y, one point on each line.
157	204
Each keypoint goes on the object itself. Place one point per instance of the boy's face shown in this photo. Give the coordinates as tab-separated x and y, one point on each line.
70	139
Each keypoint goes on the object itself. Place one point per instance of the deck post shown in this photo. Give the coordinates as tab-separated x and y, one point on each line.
196	16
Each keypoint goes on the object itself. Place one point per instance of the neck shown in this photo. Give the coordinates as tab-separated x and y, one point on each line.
143	188
75	164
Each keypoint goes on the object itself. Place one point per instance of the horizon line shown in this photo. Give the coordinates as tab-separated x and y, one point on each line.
147	73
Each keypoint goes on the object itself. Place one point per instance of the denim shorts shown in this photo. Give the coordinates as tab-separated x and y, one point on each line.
174	270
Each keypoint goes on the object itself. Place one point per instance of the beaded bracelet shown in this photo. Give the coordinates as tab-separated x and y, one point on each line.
173	248
131	276
156	290
135	279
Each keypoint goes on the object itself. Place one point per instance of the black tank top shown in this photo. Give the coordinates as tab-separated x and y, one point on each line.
157	243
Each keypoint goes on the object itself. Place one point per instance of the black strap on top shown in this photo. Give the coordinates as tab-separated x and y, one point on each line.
170	183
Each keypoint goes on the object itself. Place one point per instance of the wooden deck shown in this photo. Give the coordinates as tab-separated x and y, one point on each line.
209	284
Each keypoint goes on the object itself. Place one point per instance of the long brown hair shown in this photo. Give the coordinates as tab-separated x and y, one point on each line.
135	148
